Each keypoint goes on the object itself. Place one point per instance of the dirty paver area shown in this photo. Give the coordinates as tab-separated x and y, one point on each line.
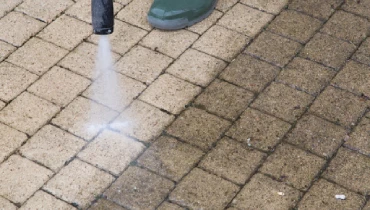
263	105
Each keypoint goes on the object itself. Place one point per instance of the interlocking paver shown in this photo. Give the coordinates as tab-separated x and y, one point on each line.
339	106
135	13
318	9
249	73
271	6
14	80
28	113
258	129
103	204
293	166
274	48
59	86
224	5
245	20
10	140
172	43
198	127
295	25
357	7
327	50
52	147
263	193
317	135
7	6
306	75
322	196
201	190
232	160
170	157
359	139
362	54
351	170
2	105
169	206
5	50
46	55
204	25
367	207
170	93
5	204
20	178
196	67
139	189
224	99
43	200
133	66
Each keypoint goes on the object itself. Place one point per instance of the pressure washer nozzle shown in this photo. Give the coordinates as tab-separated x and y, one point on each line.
102	16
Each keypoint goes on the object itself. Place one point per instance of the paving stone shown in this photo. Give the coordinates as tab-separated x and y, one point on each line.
359	139
42	200
306	75
205	24
224	5
84	118
2	105
46	55
172	43
258	129
224	99
295	25
354	77
135	13
283	102
133	66
263	193
351	170
103	204
10	140
82	60
5	204
199	128
358	7
52	147
317	135
196	67
293	166
271	6
274	48
125	36
5	50
316	8
367	207
59	86
20	178
221	42
140	189
66	37
341	26
232	160
117	95
28	113
322	196
111	151
327	50
17	28
7	6
249	73
44	10
123	2
362	54
169	206
245	20
339	106
14	80
170	93
200	190
170	158
74	183
142	121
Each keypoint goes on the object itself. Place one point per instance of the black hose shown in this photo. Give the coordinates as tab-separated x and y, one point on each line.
102	16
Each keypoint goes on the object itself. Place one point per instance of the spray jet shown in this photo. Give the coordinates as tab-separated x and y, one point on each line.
102	16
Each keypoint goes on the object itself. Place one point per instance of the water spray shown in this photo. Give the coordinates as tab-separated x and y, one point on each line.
102	16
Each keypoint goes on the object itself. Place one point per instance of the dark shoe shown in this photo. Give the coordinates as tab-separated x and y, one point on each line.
177	14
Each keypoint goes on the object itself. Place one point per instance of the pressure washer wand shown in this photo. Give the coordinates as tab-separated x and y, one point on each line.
102	16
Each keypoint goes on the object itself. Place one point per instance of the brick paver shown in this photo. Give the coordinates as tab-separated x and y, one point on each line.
263	105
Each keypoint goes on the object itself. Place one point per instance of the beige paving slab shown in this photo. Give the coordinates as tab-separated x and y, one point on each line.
111	151
318	9
135	13
142	121
10	140
357	7
5	204
17	28
171	43
2	105
52	147
170	93
362	54
14	80
46	55
7	6
5	50
245	20
84	118
20	178
28	113
103	204
44	10
43	200
359	138
270	6
367	207
123	2
224	5
59	86
169	206
205	24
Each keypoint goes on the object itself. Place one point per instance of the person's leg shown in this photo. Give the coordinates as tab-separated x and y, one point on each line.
178	14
